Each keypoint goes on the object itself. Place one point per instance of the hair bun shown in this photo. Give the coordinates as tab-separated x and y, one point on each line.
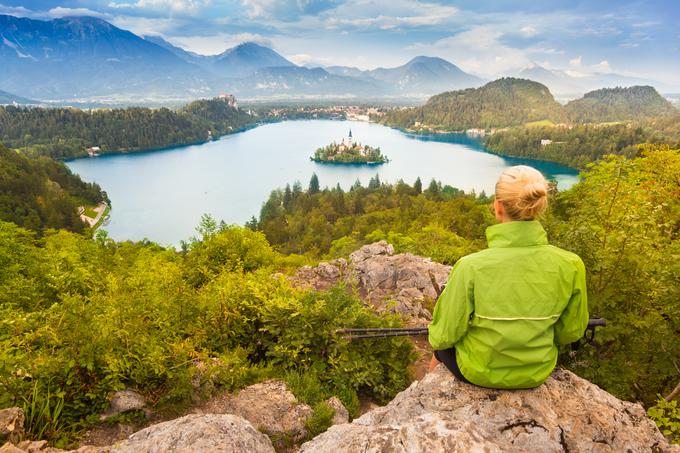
523	191
534	191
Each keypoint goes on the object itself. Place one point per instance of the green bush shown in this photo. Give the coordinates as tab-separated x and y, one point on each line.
666	415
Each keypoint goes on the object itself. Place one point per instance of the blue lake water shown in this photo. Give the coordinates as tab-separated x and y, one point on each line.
161	195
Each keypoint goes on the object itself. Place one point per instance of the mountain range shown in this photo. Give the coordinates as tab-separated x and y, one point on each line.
87	58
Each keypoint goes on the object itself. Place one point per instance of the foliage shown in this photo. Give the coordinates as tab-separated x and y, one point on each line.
503	102
320	421
618	104
666	415
441	222
623	220
41	193
578	145
64	133
80	319
349	155
43	413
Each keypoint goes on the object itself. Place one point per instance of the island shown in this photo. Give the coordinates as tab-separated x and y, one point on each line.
349	151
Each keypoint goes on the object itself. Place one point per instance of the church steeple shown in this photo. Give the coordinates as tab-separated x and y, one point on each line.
350	133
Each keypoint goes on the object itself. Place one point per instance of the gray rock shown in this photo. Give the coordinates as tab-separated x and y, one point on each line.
11	423
124	401
439	413
400	283
210	433
269	406
341	415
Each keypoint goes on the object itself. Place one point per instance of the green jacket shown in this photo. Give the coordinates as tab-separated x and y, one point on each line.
507	307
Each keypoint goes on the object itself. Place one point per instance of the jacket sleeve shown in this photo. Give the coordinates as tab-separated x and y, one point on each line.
454	307
572	324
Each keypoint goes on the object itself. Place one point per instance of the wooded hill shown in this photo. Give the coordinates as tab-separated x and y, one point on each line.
503	102
42	193
64	133
513	102
619	104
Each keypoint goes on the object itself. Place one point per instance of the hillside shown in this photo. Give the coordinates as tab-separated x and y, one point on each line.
618	104
41	193
9	98
64	132
501	103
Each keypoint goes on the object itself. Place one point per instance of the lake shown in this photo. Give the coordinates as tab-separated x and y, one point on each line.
161	195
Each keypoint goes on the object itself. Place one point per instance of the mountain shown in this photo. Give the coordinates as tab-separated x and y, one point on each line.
426	75
9	98
564	84
557	81
244	59
619	104
77	57
422	76
503	102
189	57
299	81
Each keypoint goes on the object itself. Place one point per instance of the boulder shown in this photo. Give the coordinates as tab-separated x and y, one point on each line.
341	414
440	413
209	433
269	406
124	401
11	423
403	283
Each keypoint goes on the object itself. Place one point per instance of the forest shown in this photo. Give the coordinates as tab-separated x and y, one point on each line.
81	318
63	133
580	144
511	102
41	193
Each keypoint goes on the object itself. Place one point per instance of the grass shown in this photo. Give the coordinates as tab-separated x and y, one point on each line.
107	209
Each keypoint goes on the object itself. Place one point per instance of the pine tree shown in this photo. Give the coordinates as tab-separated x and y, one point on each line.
418	186
374	183
287	197
314	184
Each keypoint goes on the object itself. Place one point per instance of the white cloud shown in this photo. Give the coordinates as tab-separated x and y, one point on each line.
303	59
182	6
478	50
15	10
145	25
602	66
576	62
528	31
60	11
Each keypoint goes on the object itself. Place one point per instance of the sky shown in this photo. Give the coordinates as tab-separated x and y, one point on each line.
484	37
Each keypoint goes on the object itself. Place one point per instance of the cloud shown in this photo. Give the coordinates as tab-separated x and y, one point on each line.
478	50
528	31
15	10
303	59
576	62
286	10
181	6
61	11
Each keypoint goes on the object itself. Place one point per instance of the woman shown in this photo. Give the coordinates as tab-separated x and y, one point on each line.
505	309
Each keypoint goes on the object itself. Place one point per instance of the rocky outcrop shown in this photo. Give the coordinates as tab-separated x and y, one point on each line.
341	414
269	406
439	413
402	283
210	433
124	401
11	423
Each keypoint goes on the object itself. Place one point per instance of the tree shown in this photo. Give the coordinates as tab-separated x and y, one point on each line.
374	183
418	186
314	184
287	197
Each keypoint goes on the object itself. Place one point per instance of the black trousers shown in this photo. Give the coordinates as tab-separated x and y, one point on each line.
448	358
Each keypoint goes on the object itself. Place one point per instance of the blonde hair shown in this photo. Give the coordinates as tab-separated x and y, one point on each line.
523	192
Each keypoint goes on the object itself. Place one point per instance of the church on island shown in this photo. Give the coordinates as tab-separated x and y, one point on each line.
349	151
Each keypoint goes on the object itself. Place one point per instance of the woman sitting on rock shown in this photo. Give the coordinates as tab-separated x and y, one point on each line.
505	309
